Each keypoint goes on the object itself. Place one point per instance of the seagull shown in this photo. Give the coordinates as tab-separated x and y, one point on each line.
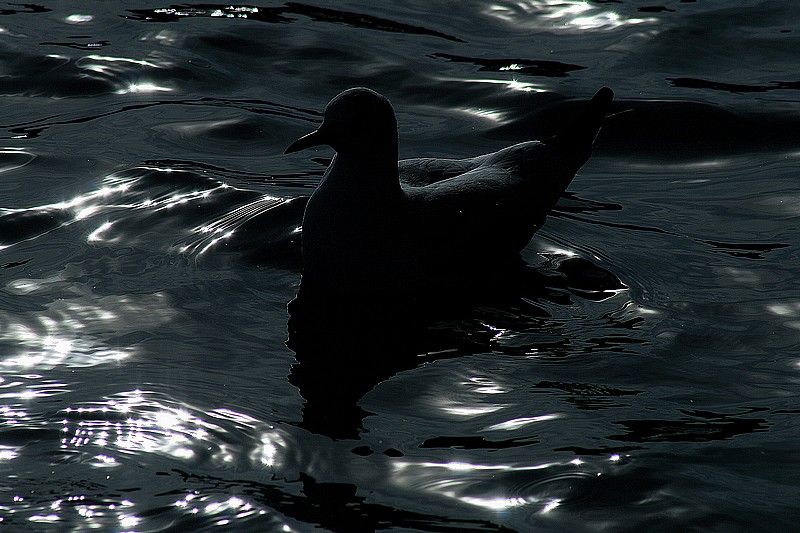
378	226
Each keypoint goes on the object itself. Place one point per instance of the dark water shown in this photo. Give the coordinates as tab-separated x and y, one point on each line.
646	379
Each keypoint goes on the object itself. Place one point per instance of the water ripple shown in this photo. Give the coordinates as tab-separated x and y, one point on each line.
138	422
173	209
500	487
570	15
73	330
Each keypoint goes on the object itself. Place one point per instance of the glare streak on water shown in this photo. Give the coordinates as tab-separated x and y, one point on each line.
70	332
120	197
78	19
517	423
481	485
511	84
111	60
496	117
224	227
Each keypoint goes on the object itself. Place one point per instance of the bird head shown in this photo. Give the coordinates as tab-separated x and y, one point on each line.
356	119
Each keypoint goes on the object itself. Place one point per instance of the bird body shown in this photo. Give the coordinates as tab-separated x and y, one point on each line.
375	225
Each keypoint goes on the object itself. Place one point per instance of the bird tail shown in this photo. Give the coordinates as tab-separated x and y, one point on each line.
582	131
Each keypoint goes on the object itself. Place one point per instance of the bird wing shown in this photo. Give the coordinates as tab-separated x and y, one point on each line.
422	171
487	207
500	201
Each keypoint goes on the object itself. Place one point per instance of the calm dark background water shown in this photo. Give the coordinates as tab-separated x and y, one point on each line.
647	380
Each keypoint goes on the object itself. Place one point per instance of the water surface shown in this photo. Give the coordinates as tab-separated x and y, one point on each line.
152	378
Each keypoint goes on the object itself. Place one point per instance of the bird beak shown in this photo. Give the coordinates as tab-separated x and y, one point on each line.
315	138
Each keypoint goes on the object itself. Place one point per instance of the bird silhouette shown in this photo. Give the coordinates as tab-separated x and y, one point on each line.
379	226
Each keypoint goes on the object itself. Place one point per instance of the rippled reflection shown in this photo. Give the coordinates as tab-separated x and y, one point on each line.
139	88
139	421
78	19
496	117
495	487
468	402
72	331
226	12
92	515
578	15
233	507
222	228
118	71
14	158
510	83
7	453
121	211
136	426
517	423
788	311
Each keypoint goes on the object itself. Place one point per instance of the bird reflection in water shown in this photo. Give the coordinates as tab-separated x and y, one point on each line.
390	246
345	347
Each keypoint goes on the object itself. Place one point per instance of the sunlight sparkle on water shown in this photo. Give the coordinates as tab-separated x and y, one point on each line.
511	84
268	453
791	309
517	423
208	235
28	394
111	59
50	518
484	384
96	234
495	504
496	117
167	419
6	454
226	12
128	521
552	504
78	19
580	15
470	483
61	346
140	88
234	502
470	410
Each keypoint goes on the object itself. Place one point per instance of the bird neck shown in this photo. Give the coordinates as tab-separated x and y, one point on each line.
372	172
